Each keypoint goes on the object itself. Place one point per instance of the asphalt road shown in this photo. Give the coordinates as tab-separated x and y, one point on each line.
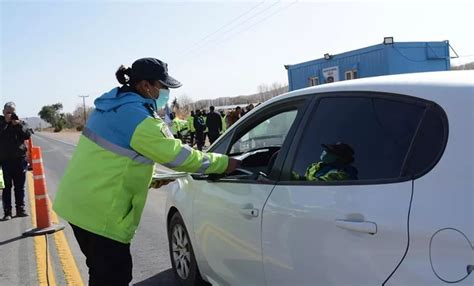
151	262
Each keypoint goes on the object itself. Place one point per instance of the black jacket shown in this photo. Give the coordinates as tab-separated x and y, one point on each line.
12	139
214	122
199	124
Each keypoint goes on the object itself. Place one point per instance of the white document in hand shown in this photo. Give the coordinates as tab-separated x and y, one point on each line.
169	176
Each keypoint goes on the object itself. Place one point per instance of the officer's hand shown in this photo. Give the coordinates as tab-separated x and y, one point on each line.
233	164
155	184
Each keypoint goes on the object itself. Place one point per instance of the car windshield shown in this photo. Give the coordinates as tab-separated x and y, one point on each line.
270	132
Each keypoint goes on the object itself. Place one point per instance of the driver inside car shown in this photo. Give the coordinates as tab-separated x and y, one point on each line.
334	165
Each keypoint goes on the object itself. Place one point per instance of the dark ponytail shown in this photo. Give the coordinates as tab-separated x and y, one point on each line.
123	75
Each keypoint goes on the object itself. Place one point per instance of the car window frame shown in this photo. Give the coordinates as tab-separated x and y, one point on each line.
437	109
300	103
252	127
287	167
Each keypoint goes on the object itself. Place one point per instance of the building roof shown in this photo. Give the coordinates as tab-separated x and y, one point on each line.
362	51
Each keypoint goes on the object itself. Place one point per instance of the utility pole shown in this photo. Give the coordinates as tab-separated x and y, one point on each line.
84	106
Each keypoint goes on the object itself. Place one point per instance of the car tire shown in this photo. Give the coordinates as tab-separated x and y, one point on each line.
182	257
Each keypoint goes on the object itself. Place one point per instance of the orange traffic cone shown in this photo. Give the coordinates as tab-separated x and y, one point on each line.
43	219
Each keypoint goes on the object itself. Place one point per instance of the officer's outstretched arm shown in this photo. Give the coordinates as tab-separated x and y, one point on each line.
153	140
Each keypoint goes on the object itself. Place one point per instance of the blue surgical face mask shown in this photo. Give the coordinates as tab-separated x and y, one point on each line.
328	157
163	98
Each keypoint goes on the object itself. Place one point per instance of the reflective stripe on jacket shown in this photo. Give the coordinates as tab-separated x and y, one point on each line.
2	185
105	185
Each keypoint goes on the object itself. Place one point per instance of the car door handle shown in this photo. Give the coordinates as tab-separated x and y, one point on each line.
249	212
358	226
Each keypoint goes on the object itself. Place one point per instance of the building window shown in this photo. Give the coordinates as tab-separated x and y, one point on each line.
351	74
313	81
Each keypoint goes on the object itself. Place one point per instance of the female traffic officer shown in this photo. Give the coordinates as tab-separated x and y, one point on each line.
104	188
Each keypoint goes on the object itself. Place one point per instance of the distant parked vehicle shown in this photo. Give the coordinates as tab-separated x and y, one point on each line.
400	210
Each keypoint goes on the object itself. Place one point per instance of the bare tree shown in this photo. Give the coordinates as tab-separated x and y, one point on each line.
185	101
262	90
78	115
468	66
184	104
264	93
69	120
277	89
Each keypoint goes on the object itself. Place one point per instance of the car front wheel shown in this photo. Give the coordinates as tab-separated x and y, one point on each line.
182	254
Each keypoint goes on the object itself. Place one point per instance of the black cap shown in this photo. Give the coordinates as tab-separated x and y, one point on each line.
341	150
9	104
153	69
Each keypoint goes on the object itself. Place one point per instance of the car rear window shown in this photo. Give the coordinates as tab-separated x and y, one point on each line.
389	137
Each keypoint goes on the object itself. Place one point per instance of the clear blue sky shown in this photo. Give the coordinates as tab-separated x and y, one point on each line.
53	51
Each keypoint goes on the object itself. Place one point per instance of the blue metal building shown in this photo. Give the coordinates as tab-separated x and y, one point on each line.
382	59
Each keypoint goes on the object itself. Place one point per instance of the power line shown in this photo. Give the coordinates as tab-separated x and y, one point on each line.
407	58
257	23
236	26
252	25
222	27
203	44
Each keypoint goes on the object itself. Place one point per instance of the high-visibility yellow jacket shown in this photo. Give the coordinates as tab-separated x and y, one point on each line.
183	125
330	172
205	123
105	185
224	123
190	121
175	126
2	185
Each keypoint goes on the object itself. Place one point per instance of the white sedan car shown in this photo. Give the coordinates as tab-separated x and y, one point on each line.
398	211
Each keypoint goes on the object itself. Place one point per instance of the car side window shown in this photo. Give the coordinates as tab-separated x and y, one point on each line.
356	138
429	142
271	132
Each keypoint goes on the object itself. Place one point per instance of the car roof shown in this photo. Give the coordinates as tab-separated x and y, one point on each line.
414	84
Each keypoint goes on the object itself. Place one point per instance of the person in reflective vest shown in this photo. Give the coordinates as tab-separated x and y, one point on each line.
206	131
334	165
224	121
175	126
192	130
105	185
200	127
2	185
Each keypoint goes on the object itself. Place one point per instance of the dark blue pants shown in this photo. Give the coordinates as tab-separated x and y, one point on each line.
200	139
213	135
109	261
191	137
14	176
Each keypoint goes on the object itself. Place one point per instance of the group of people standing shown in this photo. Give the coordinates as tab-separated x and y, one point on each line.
201	124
